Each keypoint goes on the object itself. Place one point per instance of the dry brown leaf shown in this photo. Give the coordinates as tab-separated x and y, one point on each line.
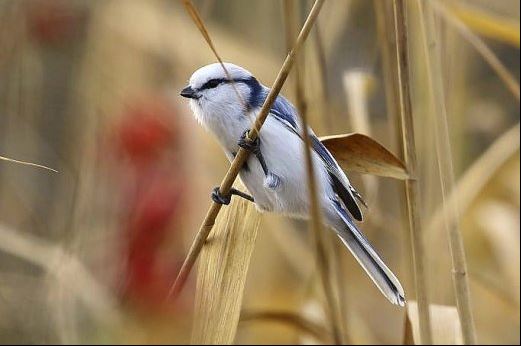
360	153
445	323
222	271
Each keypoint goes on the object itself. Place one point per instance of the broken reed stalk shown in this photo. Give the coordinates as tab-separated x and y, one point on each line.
435	86
222	272
411	184
242	154
323	263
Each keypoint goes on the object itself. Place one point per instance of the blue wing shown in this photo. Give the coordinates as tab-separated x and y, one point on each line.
339	181
284	112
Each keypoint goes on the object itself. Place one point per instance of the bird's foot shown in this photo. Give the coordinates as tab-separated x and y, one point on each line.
253	146
219	198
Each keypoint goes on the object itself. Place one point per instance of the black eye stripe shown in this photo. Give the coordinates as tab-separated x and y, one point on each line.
213	83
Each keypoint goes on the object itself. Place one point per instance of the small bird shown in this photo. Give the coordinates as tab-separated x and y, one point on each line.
226	101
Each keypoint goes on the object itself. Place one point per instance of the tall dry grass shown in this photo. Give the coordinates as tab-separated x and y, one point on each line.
61	264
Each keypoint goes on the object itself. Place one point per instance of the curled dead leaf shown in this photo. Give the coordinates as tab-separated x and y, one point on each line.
362	154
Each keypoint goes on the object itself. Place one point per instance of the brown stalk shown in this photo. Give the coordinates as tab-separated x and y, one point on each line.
323	264
411	185
444	160
242	155
316	225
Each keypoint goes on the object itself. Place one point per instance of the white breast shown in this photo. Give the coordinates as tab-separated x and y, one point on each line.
284	155
283	152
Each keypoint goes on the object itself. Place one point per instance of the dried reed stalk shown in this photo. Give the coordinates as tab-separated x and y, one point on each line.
337	248
323	260
222	274
317	227
435	86
411	185
242	155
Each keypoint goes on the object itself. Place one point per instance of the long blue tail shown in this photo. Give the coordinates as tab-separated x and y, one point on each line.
364	253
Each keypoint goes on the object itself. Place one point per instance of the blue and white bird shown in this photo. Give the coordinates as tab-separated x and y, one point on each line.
226	104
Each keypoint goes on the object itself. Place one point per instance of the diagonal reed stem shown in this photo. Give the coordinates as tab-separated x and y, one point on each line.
242	154
446	171
411	185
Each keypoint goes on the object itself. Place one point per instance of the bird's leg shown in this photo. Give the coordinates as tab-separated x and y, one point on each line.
219	198
272	180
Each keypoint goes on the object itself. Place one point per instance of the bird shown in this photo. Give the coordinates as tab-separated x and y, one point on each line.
225	99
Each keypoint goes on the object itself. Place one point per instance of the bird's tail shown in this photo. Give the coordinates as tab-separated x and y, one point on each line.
364	253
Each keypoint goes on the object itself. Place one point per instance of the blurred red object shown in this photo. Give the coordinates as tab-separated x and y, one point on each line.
52	21
147	128
152	190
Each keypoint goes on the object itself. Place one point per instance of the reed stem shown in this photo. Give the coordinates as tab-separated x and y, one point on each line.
411	184
444	160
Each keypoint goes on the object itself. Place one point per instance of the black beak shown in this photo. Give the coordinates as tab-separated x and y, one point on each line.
188	92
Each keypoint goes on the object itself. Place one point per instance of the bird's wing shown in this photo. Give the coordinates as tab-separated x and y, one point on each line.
284	112
339	180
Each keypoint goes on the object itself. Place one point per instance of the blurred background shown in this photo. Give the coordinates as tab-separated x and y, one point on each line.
91	89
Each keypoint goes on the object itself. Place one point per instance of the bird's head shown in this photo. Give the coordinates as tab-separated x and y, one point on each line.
212	90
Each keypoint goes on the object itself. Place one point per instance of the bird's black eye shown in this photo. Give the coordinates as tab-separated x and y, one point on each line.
212	83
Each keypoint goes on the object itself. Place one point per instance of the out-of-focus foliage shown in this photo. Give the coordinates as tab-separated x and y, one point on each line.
90	89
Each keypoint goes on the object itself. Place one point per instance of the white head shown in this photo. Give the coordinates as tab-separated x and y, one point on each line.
212	92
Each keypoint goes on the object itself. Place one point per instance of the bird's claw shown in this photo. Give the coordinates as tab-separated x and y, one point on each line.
218	198
247	144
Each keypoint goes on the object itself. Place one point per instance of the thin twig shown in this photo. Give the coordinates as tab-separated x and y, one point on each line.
196	17
3	158
446	171
411	185
242	154
323	264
